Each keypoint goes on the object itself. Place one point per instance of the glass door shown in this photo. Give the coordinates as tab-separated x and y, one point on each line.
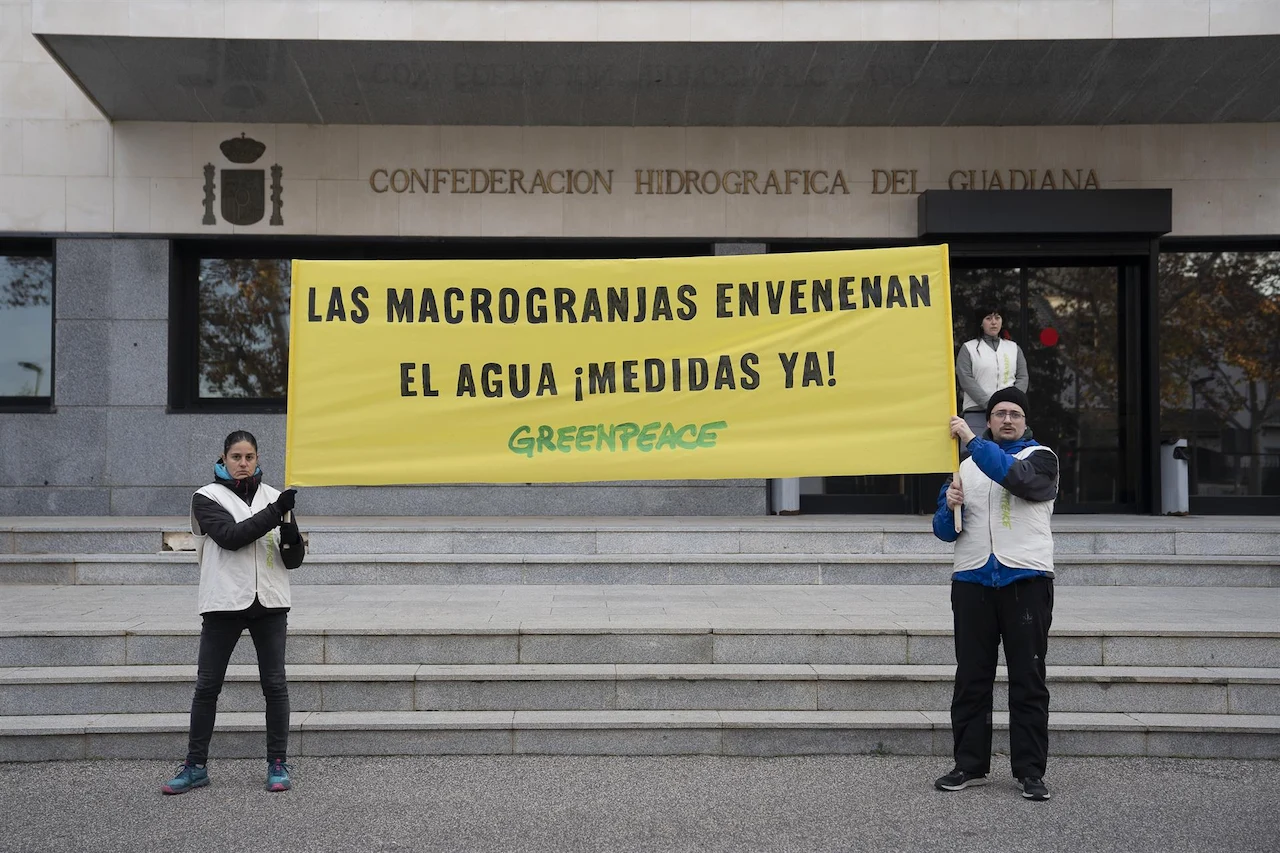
1068	319
1067	322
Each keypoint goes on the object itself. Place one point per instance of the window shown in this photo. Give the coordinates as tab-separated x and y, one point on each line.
229	342
243	349
26	325
1220	367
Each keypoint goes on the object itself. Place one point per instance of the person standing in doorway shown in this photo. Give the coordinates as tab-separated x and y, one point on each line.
986	364
1001	591
246	540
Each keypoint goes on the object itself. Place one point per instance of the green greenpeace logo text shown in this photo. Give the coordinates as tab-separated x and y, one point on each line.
528	440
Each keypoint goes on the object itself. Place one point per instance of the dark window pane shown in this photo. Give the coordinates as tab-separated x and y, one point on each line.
1220	367
244	327
26	326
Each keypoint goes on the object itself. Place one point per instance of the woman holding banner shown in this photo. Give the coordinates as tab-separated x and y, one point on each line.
246	539
986	364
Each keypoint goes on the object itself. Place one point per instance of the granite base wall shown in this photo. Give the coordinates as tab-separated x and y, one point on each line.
111	447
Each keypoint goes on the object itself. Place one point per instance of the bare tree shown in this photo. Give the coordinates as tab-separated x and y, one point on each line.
1220	340
244	327
28	282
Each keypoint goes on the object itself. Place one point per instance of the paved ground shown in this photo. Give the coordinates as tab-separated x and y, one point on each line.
916	523
667	804
28	608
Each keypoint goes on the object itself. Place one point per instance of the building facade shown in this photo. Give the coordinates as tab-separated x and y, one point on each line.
1105	171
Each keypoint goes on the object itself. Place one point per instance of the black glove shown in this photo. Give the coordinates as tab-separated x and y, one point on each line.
285	502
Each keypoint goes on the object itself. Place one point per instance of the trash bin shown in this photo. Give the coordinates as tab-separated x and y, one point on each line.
1174	491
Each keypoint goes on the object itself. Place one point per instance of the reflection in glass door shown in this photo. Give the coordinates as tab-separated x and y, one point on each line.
1073	314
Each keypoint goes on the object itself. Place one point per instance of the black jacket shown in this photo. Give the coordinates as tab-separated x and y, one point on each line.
223	529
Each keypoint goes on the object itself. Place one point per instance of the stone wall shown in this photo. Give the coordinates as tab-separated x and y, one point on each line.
63	169
845	183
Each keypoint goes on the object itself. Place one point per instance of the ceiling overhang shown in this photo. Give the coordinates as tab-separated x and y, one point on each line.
821	84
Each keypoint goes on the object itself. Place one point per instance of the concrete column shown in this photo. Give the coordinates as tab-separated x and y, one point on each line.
112	326
784	493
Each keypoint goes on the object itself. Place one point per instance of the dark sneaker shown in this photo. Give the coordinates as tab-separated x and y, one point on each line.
188	776
1033	788
277	775
959	779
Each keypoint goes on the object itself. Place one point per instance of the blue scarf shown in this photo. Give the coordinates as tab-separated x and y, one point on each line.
245	488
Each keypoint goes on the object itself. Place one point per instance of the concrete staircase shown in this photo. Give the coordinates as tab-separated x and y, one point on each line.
756	636
1091	551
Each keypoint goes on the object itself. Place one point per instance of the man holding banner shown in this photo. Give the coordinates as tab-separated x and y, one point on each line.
1001	590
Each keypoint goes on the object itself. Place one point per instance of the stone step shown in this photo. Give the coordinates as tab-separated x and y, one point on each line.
580	641
179	568
1206	536
745	733
34	691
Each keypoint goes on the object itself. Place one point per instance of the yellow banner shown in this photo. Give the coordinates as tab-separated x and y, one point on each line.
806	364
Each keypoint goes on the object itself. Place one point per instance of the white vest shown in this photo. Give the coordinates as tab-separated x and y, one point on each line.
230	579
998	522
993	369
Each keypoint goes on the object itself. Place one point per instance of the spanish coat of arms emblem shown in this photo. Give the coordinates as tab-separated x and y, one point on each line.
243	190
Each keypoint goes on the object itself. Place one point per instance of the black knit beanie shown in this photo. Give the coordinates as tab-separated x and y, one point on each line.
1009	395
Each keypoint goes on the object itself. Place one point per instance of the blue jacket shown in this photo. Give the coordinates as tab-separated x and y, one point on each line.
1034	479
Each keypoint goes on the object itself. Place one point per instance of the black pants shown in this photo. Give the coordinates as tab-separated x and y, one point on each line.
218	640
1020	615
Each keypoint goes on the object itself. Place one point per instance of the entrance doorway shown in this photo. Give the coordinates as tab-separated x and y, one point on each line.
1069	317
